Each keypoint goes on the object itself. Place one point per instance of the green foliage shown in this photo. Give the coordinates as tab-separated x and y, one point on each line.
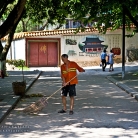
105	46
98	12
16	63
135	74
38	14
104	12
24	68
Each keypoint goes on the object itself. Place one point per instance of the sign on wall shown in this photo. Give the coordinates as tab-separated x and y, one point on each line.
92	45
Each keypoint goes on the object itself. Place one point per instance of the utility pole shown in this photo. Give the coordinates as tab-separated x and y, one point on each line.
123	45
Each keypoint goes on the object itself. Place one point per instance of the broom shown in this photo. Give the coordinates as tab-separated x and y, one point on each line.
41	103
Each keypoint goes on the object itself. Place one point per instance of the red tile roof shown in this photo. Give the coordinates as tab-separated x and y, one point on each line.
53	32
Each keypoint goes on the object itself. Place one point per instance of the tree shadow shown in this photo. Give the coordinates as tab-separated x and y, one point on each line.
101	109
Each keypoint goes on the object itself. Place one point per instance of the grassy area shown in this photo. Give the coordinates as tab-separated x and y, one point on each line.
135	74
24	68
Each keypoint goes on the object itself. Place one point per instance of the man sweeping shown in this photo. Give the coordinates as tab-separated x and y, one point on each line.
69	72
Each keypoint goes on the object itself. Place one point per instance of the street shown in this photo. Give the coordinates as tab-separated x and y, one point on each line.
101	110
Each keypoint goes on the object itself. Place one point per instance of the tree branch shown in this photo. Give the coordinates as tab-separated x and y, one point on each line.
12	19
43	27
127	12
60	25
10	38
3	3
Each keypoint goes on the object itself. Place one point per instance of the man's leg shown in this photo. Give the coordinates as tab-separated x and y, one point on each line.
105	64
72	93
64	95
102	65
112	68
64	103
71	103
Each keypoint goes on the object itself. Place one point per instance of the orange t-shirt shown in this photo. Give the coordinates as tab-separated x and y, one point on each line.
71	71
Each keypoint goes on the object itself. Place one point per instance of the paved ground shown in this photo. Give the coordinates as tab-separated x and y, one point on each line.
7	97
101	108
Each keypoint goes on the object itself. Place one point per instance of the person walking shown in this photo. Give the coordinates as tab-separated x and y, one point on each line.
68	72
111	60
103	59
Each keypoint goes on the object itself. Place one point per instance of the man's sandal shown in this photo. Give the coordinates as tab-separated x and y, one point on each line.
70	112
62	111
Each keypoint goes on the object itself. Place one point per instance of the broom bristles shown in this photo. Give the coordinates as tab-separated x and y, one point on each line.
37	106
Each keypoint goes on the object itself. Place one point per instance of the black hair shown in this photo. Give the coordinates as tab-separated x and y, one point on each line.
111	51
64	56
104	50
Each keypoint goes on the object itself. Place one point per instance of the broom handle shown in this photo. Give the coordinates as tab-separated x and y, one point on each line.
60	88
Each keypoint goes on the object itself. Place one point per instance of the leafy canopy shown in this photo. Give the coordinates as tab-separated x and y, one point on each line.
96	12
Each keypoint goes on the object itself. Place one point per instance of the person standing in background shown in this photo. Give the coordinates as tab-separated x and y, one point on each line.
111	60
103	59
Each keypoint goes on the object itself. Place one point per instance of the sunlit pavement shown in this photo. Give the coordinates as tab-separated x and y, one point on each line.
101	110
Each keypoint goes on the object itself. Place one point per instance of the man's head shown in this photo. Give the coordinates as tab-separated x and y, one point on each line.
64	58
104	50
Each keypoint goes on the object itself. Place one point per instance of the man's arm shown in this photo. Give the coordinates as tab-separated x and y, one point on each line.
62	77
63	81
80	69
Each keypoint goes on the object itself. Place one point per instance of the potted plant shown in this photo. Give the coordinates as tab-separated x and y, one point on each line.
19	88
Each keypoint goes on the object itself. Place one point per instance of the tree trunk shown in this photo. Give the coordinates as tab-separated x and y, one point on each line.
4	50
24	26
3	6
4	53
12	19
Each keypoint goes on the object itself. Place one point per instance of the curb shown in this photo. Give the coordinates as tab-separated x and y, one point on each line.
9	103
124	87
31	83
11	100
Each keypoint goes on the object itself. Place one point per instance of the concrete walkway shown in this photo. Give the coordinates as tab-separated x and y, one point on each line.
102	110
128	84
7	98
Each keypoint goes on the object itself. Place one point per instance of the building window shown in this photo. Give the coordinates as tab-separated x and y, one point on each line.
99	49
94	49
67	24
90	50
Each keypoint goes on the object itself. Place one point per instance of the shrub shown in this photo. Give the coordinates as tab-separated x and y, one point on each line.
16	63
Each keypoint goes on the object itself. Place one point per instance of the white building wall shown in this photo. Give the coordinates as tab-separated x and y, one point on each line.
132	42
17	50
112	38
18	47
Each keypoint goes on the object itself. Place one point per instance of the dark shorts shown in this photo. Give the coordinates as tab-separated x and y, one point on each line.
71	89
